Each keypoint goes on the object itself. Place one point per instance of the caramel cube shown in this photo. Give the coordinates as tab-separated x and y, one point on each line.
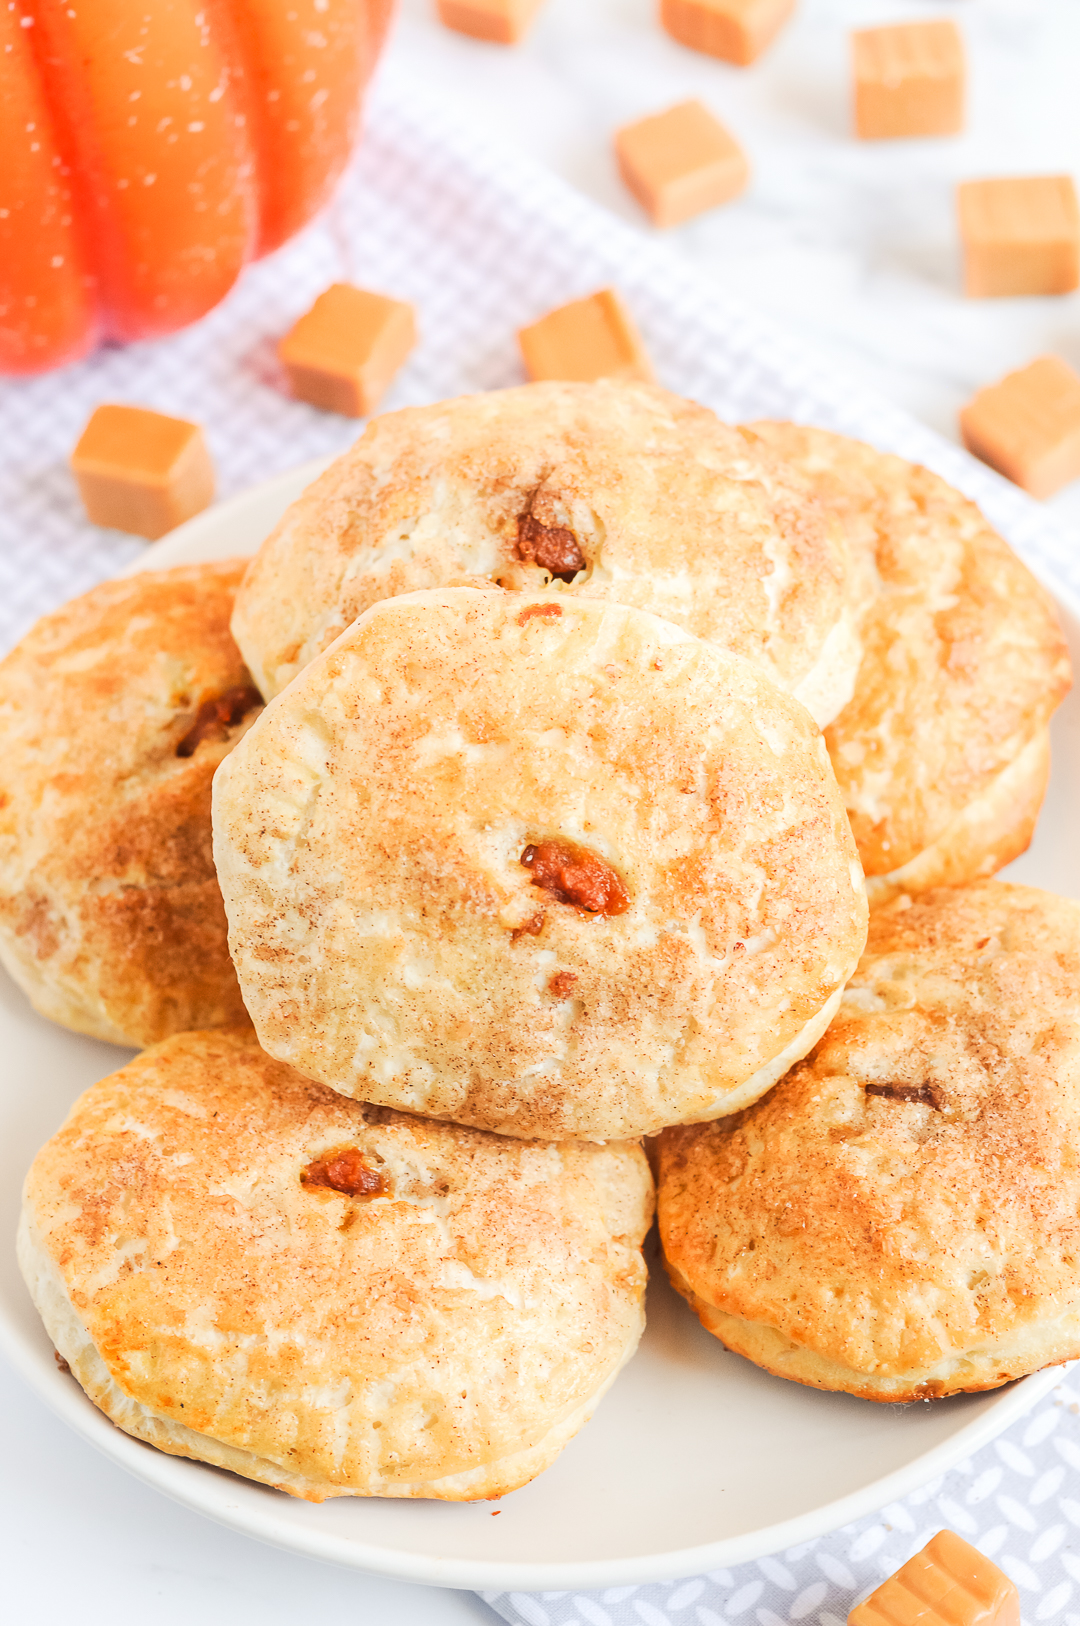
949	1583
1028	426
142	471
734	30
909	80
1021	235
680	163
503	22
343	353
585	340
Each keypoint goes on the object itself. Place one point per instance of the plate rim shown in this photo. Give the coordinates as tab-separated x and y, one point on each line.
212	1496
69	1402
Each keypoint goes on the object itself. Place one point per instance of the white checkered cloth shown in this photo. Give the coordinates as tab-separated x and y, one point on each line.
482	242
1017	1500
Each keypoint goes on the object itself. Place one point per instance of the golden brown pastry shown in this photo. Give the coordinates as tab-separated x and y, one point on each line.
611	490
540	864
244	1267
943	752
114	713
900	1217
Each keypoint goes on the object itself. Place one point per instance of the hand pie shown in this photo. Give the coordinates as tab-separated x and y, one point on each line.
540	864
114	712
898	1218
608	491
943	752
244	1267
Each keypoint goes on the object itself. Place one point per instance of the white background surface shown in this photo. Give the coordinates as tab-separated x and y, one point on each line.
851	246
84	1541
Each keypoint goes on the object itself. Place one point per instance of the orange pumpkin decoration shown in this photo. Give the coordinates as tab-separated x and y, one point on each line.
152	147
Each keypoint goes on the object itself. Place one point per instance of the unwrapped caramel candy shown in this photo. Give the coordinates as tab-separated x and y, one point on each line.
343	353
503	22
1028	426
948	1583
734	30
142	471
909	80
680	163
1021	235
586	340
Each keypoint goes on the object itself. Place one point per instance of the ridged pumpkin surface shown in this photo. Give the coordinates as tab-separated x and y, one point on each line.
152	147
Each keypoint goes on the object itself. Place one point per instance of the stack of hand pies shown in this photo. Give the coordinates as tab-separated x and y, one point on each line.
530	844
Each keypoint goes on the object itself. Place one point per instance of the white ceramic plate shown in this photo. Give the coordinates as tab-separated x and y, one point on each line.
696	1459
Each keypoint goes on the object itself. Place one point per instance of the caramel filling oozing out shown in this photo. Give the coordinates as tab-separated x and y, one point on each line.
561	985
552	547
532	927
217	715
573	874
546	612
927	1095
345	1171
